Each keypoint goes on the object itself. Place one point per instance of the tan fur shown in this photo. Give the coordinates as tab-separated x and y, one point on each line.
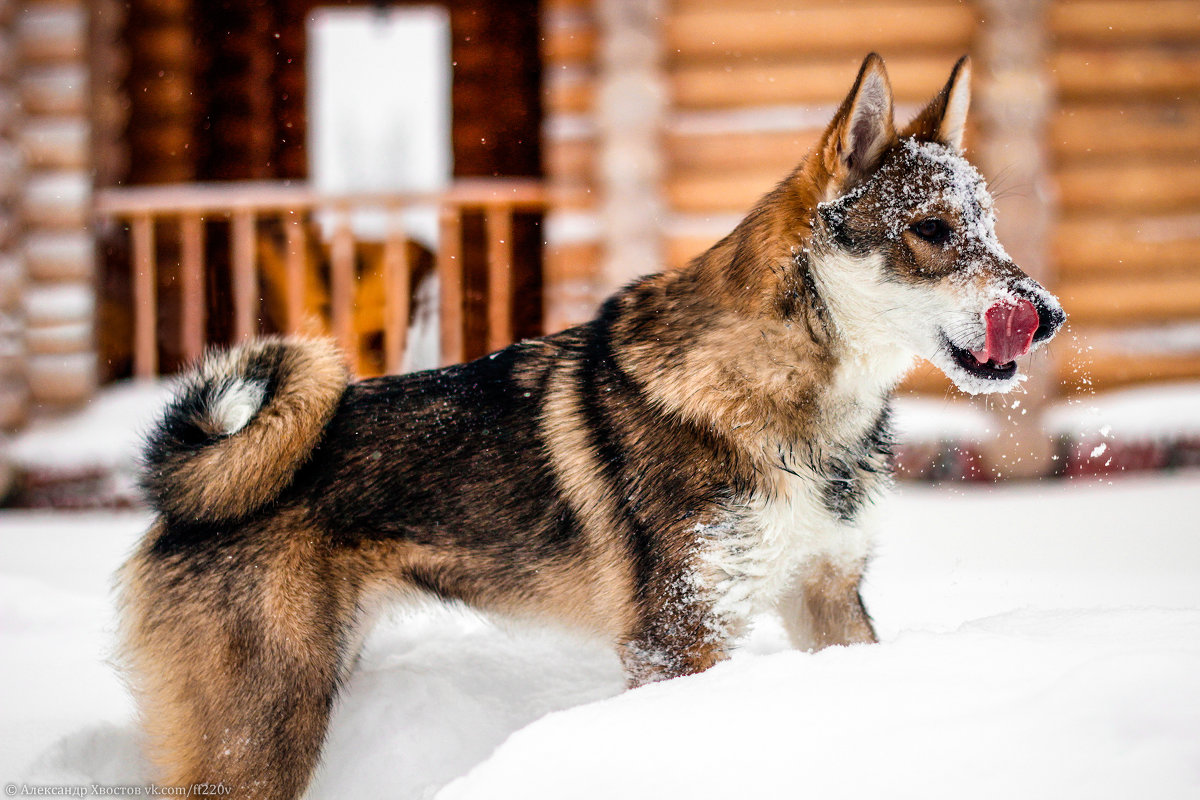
739	390
187	651
245	471
601	603
824	608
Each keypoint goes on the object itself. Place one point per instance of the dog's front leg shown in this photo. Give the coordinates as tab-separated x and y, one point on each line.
823	607
673	638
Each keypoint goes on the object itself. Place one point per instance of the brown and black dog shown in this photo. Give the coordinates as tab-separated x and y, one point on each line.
706	448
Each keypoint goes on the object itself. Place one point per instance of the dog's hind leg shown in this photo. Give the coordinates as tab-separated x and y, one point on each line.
824	607
236	660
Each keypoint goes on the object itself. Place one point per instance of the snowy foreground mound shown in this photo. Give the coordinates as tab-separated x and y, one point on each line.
1036	643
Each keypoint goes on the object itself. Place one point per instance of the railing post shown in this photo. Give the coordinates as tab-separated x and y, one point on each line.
450	284
500	287
245	279
191	280
145	309
397	275
341	289
295	262
244	205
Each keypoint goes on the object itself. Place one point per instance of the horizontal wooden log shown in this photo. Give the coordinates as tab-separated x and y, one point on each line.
1083	131
1086	373
49	33
721	192
1131	299
165	46
569	96
171	93
1134	187
59	339
776	151
682	249
572	262
1135	73
166	11
715	33
61	378
1080	257
55	217
573	44
571	197
59	255
709	176
55	144
927	380
1118	21
166	141
768	82
55	90
571	160
1139	228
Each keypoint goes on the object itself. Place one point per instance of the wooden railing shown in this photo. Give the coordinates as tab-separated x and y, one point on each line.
246	206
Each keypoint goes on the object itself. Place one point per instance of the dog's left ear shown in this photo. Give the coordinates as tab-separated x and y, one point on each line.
861	131
945	118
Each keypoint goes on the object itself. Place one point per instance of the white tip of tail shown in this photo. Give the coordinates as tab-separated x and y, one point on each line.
236	404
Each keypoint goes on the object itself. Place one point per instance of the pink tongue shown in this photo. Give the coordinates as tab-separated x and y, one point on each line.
1010	330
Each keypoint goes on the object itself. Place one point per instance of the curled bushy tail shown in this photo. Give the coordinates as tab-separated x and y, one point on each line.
241	423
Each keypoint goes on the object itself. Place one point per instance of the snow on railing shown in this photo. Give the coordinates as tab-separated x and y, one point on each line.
297	208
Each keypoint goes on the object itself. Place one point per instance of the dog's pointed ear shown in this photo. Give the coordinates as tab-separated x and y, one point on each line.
862	130
945	118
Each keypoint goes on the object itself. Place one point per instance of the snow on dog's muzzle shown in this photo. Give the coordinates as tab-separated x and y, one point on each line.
1010	330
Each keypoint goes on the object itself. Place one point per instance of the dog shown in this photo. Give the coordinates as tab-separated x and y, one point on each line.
707	448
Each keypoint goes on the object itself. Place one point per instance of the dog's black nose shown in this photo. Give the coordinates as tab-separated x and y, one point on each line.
1050	316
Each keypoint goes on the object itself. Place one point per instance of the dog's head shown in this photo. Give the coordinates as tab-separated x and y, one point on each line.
904	250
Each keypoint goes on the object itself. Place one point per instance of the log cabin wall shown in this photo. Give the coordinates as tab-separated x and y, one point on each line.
748	84
570	31
217	91
755	82
14	392
1125	142
1087	122
54	247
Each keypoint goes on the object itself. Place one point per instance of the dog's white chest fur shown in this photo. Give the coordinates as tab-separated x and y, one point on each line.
750	560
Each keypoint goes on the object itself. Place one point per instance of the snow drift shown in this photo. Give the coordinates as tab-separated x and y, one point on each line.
1037	642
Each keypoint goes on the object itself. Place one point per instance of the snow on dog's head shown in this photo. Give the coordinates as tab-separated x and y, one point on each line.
905	247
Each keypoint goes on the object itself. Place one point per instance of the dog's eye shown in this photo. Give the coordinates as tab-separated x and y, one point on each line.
932	230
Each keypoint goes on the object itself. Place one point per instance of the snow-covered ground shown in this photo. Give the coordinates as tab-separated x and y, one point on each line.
1038	642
